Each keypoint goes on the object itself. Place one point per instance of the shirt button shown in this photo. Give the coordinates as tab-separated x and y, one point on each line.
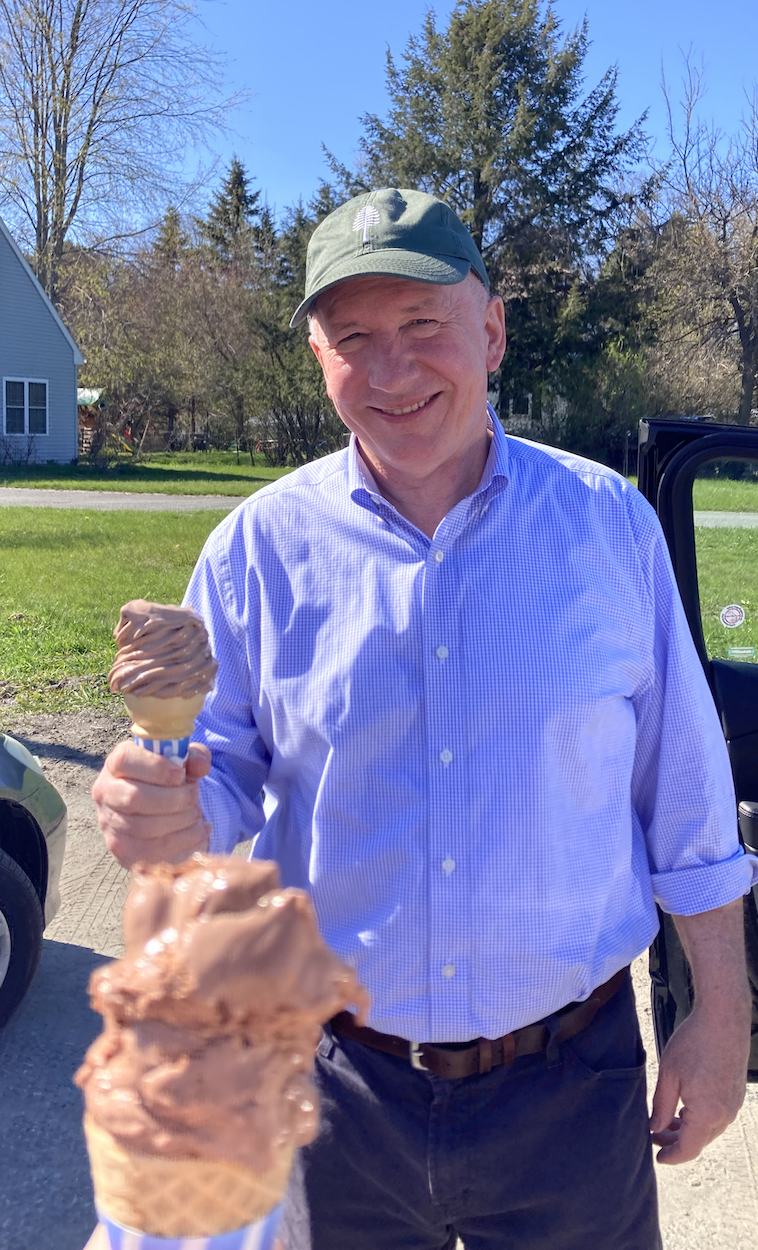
448	865
446	756
448	971
439	556
442	653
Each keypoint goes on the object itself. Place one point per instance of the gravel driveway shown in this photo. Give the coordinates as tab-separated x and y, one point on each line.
45	1195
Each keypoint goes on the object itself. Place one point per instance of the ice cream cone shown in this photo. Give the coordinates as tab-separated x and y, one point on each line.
163	719
177	1198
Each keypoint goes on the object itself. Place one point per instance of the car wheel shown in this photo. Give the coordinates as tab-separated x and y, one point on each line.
21	926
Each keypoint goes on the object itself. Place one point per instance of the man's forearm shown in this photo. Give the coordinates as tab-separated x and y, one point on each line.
714	943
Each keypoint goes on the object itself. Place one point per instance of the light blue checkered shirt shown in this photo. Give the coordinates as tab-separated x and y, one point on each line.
485	755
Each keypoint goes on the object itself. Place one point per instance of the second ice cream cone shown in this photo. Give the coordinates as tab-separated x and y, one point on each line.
180	1197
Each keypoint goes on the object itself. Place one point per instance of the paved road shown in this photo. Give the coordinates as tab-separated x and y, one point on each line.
113	500
727	520
120	501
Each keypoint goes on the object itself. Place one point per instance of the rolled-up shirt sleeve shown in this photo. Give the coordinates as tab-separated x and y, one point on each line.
231	796
682	791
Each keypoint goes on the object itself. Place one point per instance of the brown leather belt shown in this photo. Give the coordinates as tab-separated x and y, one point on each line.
458	1060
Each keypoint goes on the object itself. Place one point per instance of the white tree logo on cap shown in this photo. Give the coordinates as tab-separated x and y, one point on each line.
365	217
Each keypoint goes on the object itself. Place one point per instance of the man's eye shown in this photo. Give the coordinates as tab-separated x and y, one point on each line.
350	338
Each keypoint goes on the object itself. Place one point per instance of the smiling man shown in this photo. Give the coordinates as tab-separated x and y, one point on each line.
459	703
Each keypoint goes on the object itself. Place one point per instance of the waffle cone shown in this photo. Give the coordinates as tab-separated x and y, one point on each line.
179	1197
163	718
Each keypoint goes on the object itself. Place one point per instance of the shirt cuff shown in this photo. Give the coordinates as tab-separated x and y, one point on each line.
689	891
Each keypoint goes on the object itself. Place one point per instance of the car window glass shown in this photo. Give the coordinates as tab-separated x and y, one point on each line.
725	500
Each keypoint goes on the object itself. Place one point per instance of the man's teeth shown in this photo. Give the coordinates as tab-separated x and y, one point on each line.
400	412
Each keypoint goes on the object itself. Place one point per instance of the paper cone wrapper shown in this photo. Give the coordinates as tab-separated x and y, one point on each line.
180	1199
259	1236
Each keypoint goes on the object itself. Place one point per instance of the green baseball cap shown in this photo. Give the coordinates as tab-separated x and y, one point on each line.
394	233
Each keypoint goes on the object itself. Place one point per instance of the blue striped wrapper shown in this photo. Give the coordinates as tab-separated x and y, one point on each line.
177	748
258	1236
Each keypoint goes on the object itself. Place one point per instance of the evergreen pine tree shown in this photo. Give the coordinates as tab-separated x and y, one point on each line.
231	213
172	239
491	116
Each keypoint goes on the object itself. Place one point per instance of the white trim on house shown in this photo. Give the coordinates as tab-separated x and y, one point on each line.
26	432
78	358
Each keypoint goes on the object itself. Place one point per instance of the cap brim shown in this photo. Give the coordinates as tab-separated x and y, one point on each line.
390	263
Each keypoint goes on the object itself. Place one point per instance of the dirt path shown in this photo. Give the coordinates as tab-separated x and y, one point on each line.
711	1204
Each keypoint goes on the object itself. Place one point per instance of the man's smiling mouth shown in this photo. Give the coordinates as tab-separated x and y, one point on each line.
402	412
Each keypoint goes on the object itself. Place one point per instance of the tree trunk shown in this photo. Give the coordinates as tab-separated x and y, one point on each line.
749	371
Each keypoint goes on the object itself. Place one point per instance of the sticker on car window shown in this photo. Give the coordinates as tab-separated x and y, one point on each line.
732	616
741	653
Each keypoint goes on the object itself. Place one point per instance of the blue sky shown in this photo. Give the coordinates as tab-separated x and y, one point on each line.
315	68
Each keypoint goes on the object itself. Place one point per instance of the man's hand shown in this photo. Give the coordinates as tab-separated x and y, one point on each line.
148	806
98	1240
704	1066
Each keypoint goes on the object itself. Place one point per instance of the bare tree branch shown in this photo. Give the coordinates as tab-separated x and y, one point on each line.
100	101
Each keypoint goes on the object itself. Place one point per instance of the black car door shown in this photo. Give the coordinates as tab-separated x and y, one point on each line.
702	480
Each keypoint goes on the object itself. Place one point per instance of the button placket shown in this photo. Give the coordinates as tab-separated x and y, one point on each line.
442	659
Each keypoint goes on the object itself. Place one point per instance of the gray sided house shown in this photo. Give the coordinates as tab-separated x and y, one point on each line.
38	363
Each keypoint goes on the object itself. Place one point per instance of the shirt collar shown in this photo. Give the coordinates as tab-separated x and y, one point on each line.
361	481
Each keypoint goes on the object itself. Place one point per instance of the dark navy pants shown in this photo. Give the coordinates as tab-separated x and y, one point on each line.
551	1153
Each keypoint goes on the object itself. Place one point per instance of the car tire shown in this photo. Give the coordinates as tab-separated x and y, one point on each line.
21	925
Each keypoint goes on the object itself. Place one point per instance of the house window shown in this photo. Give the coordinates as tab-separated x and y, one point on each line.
24	406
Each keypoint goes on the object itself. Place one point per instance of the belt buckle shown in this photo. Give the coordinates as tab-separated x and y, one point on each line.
415	1055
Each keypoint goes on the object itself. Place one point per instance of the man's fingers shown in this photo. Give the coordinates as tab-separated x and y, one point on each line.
666	1136
142	799
136	764
665	1099
149	828
170	849
98	1240
198	761
688	1141
148	806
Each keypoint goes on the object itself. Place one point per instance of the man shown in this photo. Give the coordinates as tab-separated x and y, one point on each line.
458	664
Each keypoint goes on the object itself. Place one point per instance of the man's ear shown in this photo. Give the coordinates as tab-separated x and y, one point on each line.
315	347
494	325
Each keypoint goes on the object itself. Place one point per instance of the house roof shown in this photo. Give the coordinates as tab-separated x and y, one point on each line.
78	358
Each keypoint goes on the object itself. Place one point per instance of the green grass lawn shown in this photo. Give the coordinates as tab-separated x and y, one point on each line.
169	473
720	495
63	578
728	573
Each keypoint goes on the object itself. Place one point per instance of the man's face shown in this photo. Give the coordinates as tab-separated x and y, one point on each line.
406	367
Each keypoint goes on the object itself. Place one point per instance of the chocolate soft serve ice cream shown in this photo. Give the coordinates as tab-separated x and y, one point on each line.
164	668
210	1028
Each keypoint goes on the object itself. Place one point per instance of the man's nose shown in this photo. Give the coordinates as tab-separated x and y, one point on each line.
392	367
